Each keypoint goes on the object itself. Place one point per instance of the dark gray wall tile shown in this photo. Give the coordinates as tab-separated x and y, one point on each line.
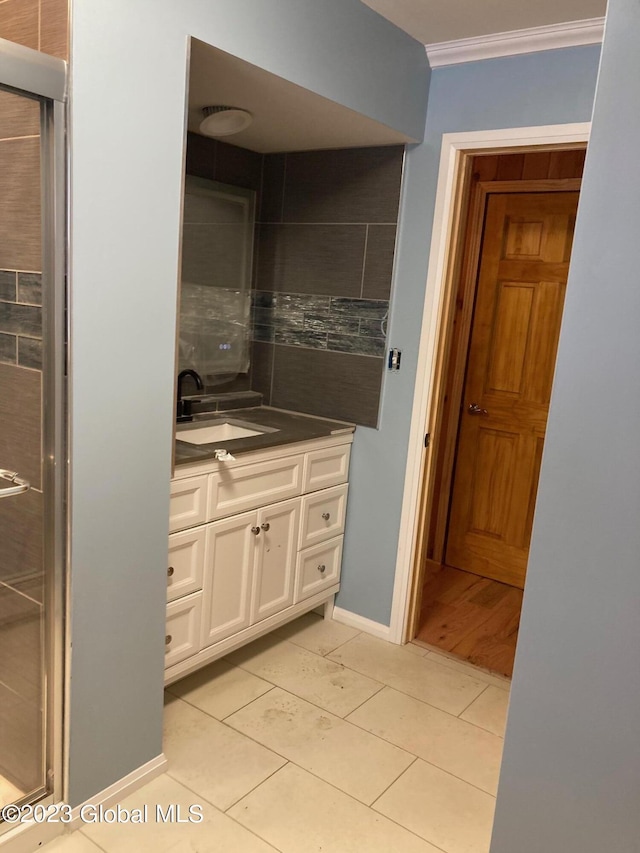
20	740
20	319
20	415
201	156
328	384
20	630
301	338
372	328
311	258
8	287
30	288
345	185
378	266
262	369
273	167
238	166
30	353
21	532
8	350
263	333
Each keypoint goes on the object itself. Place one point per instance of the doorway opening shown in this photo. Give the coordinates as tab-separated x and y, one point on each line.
497	351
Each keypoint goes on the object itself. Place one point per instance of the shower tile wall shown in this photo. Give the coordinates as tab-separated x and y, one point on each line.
323	260
41	25
326	241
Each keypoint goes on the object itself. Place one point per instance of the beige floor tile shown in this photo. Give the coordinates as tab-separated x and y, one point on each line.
466	751
470	669
449	813
415	649
419	677
298	813
309	676
216	833
316	634
220	689
211	759
489	710
351	759
77	842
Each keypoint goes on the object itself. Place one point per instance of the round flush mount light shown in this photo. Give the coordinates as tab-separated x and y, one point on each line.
224	121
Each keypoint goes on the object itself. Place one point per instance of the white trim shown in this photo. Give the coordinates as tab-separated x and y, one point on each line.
29	836
453	144
552	37
122	788
361	623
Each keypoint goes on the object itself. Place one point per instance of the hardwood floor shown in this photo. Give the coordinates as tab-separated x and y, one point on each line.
473	618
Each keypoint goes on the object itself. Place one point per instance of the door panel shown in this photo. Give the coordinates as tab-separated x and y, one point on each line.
276	561
521	285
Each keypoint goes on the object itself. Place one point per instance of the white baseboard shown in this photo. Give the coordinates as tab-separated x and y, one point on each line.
122	788
361	623
28	837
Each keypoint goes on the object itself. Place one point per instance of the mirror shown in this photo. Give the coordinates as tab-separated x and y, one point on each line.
215	291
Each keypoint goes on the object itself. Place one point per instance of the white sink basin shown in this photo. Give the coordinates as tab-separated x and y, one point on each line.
217	432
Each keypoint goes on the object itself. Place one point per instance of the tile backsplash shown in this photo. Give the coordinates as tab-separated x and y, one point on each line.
323	261
21	318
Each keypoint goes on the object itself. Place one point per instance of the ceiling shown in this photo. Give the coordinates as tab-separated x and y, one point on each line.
286	117
432	21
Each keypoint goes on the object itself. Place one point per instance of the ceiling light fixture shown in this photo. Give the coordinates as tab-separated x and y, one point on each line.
224	121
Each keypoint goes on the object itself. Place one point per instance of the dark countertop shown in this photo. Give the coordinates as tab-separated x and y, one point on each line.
288	428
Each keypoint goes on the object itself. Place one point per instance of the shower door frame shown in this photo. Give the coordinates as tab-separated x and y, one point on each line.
29	72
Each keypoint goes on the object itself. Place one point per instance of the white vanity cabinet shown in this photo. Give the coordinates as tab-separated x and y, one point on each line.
255	542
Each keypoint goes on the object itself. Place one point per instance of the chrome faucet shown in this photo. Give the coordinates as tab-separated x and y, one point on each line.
183	408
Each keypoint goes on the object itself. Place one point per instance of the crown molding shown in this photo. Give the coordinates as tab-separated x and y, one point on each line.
572	34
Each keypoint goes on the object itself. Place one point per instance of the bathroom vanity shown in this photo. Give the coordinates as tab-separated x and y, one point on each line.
255	540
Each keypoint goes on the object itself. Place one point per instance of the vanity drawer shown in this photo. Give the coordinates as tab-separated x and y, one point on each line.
318	567
323	515
186	562
188	502
327	467
233	490
182	635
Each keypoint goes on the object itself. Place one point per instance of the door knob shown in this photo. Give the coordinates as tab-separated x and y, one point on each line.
18	484
326	516
266	526
255	531
475	409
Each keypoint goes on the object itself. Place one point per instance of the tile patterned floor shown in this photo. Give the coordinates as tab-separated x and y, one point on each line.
319	738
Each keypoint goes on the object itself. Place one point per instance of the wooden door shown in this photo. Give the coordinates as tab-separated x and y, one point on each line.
521	286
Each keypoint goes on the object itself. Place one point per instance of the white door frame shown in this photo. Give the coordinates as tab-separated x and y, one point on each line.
454	145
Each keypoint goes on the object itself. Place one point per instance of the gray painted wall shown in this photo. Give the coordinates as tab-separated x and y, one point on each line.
127	125
554	87
571	771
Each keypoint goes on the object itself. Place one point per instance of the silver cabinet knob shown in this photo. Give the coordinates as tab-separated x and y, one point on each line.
322	568
326	516
170	572
266	526
255	531
167	640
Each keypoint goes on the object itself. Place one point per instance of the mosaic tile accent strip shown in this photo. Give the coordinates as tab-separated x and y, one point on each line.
339	324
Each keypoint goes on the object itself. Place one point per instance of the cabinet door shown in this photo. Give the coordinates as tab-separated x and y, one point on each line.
318	568
229	558
182	637
323	515
188	502
274	572
186	562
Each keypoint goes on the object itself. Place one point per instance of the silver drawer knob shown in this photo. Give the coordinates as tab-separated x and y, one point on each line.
167	640
322	568
170	572
265	526
326	516
255	531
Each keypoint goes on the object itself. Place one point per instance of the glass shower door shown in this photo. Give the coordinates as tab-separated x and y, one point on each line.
31	435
